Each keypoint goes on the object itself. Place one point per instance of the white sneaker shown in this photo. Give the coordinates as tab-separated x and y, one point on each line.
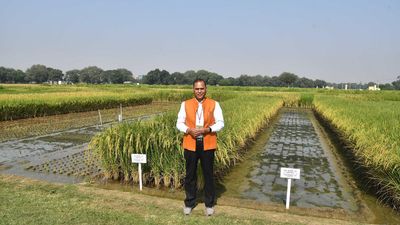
187	210
209	211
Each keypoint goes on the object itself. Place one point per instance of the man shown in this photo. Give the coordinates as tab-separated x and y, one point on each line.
199	118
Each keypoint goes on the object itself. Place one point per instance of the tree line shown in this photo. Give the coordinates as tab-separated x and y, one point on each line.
95	75
42	74
285	79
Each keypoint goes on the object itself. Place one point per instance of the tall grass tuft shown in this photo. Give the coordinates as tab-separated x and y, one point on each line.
306	100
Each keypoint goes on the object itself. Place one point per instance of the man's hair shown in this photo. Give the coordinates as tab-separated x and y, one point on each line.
200	80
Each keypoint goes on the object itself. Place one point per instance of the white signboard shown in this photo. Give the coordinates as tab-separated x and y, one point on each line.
139	158
290	173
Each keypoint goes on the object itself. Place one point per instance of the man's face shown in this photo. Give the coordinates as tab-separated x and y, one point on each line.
199	90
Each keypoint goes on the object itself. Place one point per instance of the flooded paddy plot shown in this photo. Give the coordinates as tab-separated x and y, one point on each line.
36	146
326	185
294	143
59	157
79	164
33	127
52	157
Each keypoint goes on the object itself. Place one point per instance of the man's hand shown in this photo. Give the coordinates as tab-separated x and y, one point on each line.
197	131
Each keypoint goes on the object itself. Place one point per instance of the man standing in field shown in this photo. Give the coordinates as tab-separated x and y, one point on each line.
199	118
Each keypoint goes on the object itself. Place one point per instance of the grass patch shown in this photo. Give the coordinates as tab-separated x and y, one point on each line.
33	202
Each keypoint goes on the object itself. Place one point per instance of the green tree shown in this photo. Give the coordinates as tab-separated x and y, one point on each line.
214	78
230	81
257	80
117	76
191	75
245	80
179	78
122	76
9	75
91	74
386	86
288	78
152	77
54	74
5	75
157	77
320	83
19	76
165	77
107	75
37	73
396	84
276	82
203	74
304	83
72	76
267	81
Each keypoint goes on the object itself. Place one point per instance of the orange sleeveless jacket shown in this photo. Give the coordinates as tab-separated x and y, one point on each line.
210	139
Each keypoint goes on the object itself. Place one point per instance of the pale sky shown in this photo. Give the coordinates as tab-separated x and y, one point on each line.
337	41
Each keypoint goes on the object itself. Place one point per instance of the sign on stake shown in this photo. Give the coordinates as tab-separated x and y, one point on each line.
139	158
290	174
120	114
101	121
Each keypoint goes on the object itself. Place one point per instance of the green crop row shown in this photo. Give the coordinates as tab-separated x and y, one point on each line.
161	141
26	101
39	108
373	128
19	101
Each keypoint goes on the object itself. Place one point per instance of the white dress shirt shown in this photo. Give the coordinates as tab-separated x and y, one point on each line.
217	126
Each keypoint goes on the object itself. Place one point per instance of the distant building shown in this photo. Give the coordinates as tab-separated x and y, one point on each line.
373	88
53	82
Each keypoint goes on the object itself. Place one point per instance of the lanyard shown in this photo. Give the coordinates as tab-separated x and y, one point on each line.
199	114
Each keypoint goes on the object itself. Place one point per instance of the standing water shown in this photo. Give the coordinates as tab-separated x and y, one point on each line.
296	141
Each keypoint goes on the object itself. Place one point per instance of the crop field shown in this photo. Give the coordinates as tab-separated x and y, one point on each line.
21	101
368	123
371	124
31	127
161	141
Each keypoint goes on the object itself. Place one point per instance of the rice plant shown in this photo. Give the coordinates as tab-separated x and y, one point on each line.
373	128
161	141
27	101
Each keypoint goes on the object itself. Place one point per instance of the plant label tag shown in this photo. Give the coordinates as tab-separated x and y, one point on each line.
290	173
139	158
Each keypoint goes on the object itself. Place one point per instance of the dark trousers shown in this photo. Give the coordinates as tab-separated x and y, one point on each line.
207	166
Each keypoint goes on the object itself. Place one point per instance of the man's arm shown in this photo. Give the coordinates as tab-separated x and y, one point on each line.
180	123
219	119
